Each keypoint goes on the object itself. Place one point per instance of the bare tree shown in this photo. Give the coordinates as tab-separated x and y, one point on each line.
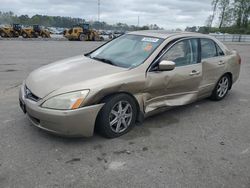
214	4
224	7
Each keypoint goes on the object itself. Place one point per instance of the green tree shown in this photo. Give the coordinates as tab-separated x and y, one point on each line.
242	12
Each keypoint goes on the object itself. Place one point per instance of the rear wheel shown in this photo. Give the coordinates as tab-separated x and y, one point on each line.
117	116
221	88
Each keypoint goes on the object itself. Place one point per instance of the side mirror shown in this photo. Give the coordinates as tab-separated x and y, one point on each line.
166	65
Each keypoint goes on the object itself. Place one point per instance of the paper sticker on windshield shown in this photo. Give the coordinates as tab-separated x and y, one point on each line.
148	39
148	47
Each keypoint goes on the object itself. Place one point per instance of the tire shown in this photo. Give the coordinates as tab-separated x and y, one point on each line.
35	35
83	37
111	113
24	35
222	87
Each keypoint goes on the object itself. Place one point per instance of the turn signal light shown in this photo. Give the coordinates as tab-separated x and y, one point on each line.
77	103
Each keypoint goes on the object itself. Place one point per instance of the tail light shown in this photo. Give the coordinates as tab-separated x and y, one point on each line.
239	59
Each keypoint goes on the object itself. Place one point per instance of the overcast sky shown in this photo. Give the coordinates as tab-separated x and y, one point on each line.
169	14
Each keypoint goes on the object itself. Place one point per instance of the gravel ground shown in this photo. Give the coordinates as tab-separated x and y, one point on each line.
205	144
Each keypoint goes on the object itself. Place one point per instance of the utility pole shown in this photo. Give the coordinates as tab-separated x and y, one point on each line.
98	10
98	14
138	23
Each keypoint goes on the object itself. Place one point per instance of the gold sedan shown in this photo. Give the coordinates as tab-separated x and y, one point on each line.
126	80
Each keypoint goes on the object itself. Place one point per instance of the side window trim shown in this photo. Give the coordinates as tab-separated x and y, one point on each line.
156	61
199	50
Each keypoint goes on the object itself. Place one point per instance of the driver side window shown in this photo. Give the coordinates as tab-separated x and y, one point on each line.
183	53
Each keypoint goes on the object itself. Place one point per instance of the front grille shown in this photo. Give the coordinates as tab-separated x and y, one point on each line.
30	95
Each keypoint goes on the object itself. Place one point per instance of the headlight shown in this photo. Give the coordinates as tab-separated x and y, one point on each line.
67	101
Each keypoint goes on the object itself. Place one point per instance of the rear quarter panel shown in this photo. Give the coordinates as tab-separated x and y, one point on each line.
233	65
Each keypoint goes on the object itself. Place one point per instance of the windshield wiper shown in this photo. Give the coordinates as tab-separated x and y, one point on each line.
104	60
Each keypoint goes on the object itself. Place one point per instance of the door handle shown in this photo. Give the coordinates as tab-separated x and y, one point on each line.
194	72
221	62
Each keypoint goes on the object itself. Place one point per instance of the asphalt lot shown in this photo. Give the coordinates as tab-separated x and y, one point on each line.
205	144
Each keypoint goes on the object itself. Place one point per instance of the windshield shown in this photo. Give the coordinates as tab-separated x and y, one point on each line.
127	51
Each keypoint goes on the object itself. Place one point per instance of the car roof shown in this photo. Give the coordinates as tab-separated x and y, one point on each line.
165	34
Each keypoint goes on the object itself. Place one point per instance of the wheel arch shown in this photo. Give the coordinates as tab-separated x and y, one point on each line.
139	113
231	78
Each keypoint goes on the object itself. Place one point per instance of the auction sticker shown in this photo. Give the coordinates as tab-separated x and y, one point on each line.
149	39
148	47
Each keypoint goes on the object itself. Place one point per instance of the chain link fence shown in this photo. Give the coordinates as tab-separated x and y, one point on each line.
232	38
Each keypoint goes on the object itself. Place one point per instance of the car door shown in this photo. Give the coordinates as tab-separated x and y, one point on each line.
180	85
213	65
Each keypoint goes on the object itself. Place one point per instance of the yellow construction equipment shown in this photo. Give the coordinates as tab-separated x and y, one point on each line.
10	31
27	32
35	32
83	33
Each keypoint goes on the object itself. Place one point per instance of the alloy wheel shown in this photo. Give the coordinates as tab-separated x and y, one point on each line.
120	116
222	87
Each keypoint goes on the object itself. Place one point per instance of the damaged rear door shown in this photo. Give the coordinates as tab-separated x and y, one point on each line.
178	86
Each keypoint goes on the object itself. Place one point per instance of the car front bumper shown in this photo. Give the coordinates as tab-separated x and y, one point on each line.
78	122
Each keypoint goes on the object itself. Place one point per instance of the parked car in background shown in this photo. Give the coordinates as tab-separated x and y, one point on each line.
105	35
126	80
117	33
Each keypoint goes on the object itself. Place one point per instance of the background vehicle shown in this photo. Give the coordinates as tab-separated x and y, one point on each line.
82	33
38	31
10	31
104	35
118	33
34	32
17	30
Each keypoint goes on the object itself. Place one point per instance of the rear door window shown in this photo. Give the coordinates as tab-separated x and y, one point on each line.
208	49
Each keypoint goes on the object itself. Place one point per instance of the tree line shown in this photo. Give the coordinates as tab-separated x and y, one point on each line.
67	22
232	17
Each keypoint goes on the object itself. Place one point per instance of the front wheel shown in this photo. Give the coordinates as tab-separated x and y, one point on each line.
83	37
117	116
221	88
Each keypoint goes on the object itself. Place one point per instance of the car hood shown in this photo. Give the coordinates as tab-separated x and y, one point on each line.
49	78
